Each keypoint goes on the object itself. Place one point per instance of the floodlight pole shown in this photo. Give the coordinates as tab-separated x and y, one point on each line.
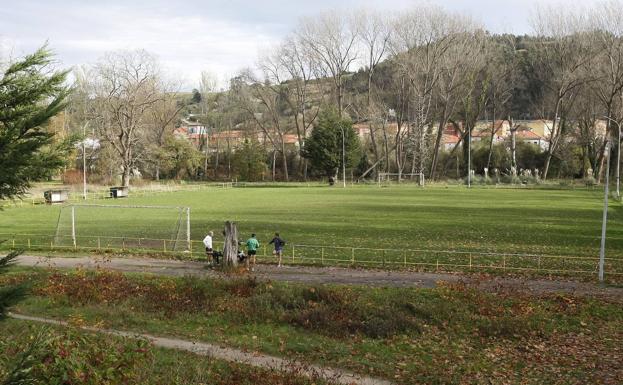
343	160
604	220
73	225
469	158
188	244
84	161
618	177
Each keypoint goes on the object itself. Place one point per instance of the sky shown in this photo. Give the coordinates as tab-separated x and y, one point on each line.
189	36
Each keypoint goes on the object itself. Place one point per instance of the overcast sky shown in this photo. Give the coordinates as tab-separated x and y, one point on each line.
188	36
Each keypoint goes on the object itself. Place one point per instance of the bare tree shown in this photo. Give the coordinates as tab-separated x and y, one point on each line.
374	33
290	72
126	88
330	39
607	21
261	100
420	39
563	57
207	86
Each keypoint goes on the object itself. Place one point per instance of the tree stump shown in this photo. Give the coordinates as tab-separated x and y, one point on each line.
230	248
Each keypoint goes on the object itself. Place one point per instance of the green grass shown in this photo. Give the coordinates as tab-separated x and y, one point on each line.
562	222
401	334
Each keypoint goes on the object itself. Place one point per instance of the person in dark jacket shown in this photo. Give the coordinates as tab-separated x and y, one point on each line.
279	244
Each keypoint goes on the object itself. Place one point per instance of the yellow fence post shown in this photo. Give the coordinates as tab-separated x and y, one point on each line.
322	255
292	253
28	243
164	245
352	255
99	243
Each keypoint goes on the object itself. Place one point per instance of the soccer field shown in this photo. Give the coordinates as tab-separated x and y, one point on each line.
564	222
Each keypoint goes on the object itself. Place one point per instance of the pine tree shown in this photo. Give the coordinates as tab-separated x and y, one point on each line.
324	146
30	94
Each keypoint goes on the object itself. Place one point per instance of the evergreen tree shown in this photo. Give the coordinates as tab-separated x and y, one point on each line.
30	94
324	147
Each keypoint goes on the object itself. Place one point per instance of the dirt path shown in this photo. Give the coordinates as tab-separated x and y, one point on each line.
329	275
228	354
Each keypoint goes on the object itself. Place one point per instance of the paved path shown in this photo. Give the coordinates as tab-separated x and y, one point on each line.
234	355
331	275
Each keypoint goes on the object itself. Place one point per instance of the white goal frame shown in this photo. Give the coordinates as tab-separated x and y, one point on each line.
73	217
382	176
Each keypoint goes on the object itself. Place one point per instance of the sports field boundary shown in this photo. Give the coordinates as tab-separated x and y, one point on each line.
320	255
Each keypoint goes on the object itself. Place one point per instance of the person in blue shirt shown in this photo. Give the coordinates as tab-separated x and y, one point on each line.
279	243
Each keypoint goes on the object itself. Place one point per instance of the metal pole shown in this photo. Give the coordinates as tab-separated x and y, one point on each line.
602	249
343	160
84	162
73	225
619	163
189	246
469	158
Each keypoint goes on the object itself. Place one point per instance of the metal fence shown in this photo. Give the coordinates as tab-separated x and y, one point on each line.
422	259
77	196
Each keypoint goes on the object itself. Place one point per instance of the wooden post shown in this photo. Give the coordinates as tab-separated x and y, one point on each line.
292	253
352	255
322	255
164	245
99	243
383	257
28	243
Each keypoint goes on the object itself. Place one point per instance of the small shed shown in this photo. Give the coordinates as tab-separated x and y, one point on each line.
118	192
55	196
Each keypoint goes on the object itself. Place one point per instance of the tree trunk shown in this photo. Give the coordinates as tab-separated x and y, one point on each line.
553	138
125	176
230	247
216	158
284	158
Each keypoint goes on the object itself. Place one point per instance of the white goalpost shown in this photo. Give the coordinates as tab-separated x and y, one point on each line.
123	226
393	177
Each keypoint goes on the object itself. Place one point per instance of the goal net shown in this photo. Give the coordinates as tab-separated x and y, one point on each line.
162	228
386	178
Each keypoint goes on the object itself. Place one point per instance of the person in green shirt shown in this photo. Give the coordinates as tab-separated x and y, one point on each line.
252	245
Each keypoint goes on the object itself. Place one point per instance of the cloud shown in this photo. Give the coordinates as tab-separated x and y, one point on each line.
222	36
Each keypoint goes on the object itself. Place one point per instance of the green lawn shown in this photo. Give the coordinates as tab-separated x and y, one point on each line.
548	221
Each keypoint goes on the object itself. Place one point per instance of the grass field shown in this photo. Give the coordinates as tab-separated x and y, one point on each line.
545	221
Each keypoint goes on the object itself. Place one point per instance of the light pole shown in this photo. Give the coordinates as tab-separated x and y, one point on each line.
618	177
343	159
469	158
84	161
604	220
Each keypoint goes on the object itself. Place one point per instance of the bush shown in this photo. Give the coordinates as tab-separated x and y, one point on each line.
72	357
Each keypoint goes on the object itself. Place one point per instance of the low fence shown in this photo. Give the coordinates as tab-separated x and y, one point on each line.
77	196
423	259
